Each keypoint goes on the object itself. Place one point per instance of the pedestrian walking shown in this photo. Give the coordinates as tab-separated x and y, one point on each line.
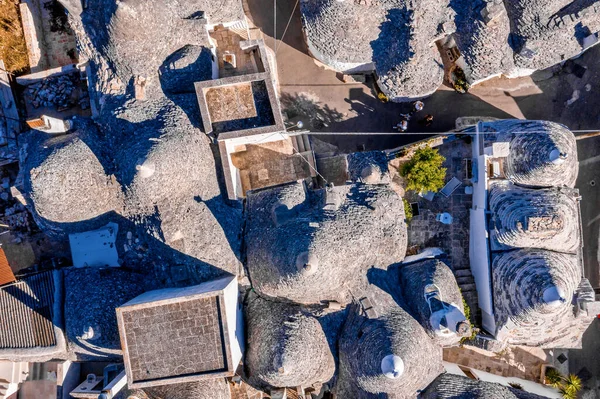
402	126
418	106
427	120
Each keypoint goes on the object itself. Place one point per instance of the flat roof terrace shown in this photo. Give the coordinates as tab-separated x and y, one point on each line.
239	106
176	335
195	343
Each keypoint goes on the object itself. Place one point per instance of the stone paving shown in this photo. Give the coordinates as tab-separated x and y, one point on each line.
515	361
233	61
424	231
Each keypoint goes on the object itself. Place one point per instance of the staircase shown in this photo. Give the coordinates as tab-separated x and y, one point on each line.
301	143
240	28
466	283
11	375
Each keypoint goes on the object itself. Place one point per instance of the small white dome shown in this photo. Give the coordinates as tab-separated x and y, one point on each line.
145	168
392	366
557	157
554	296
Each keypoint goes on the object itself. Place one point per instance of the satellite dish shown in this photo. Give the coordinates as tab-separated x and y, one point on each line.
392	366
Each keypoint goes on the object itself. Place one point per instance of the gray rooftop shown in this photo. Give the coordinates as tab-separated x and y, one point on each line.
136	37
67	181
451	386
217	388
483	44
414	277
396	38
164	341
528	218
309	246
533	295
178	335
90	320
286	345
369	335
551	30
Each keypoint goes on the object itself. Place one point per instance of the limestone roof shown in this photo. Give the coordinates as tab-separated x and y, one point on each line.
483	45
217	388
452	386
137	36
397	36
67	180
169	174
313	245
533	294
91	297
367	340
528	218
414	279
530	161
546	32
286	345
533	151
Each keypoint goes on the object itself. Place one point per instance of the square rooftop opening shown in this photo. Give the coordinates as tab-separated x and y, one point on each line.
181	334
239	106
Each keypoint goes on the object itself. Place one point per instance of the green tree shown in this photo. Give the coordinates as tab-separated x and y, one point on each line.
424	171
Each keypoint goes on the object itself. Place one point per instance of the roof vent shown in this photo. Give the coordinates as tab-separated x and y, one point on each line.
145	168
392	366
557	157
307	264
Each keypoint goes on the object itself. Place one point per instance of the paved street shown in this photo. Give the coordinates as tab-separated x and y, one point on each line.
588	183
313	93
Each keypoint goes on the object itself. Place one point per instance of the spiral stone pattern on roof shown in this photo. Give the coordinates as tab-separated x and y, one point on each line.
527	218
530	161
365	342
527	284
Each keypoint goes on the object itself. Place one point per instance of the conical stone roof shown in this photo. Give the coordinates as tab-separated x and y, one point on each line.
528	218
286	346
533	295
542	154
384	352
310	246
415	279
452	386
67	181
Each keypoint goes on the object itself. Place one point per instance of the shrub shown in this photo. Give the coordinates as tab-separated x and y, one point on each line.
407	210
568	386
424	171
553	377
460	80
515	385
